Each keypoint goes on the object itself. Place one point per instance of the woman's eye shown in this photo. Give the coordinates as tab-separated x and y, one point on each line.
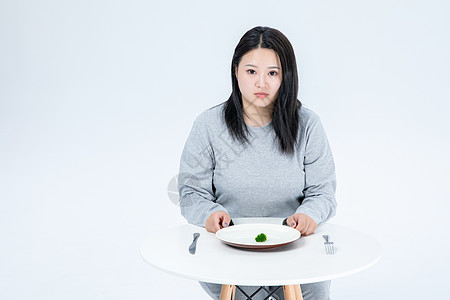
273	73
251	71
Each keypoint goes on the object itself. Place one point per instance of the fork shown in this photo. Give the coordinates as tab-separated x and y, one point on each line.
329	246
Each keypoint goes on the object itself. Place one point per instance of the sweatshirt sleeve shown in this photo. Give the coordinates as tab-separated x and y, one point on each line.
195	179
319	201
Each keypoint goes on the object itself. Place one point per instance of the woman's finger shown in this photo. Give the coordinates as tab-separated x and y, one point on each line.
226	219
291	222
301	228
218	221
308	229
213	223
312	226
212	226
301	225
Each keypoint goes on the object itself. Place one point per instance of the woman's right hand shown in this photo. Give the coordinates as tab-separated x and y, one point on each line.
217	220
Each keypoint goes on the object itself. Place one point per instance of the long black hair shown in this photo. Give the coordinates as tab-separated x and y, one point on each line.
285	118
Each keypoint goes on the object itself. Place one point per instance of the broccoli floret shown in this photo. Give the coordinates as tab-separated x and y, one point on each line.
261	238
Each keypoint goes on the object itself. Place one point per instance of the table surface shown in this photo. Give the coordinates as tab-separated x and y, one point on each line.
303	261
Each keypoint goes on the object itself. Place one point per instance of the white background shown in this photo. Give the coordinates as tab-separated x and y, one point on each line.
97	99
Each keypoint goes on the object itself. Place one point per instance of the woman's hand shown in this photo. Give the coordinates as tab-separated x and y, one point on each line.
302	223
217	220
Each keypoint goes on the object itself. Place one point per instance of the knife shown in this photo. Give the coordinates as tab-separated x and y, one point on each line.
193	245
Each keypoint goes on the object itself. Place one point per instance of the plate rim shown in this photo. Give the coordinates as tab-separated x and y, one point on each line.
262	245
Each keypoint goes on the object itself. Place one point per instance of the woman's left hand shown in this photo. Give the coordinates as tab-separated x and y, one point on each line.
303	223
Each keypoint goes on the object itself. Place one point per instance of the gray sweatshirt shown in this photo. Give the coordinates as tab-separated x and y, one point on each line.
256	180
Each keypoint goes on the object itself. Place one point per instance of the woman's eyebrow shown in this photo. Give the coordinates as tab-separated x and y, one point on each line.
271	67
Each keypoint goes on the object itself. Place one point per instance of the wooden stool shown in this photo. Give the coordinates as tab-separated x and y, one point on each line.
291	292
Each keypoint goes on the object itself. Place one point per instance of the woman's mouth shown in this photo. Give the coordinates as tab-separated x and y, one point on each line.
261	95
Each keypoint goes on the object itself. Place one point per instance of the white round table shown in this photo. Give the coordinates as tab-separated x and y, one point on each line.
303	261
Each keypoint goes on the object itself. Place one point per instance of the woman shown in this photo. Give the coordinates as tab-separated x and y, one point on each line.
260	153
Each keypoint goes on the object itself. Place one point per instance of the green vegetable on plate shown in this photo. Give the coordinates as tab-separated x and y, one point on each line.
261	238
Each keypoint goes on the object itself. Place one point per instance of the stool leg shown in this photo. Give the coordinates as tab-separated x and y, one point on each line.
227	291
298	292
289	292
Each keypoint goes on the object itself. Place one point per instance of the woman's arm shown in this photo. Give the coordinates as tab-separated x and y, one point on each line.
319	201
195	180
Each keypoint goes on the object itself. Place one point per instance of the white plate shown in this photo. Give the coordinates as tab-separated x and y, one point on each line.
243	236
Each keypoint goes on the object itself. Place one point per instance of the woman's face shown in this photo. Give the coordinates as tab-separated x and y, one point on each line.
259	77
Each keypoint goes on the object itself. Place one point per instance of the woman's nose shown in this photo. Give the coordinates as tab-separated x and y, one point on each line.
261	82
